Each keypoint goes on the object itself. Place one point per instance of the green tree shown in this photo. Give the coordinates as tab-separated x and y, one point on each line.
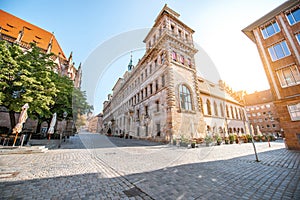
26	78
13	77
80	107
29	77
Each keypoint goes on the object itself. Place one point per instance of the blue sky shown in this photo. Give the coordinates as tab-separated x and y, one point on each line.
82	26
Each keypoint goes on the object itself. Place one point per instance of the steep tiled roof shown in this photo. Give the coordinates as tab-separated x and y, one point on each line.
12	25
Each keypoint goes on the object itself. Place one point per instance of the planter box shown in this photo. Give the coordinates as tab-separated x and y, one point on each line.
209	144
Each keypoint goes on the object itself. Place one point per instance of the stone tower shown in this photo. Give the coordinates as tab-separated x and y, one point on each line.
172	42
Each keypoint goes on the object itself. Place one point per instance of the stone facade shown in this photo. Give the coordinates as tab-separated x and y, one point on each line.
223	114
277	38
160	97
95	124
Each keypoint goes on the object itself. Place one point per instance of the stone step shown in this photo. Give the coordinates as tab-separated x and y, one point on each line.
22	150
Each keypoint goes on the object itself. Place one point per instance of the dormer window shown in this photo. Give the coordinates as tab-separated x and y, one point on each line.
270	30
11	26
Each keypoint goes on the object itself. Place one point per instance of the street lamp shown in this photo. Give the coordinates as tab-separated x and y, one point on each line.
252	140
65	114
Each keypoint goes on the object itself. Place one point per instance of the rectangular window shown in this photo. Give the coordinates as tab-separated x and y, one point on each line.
293	16
156	85
174	56
298	38
138	114
151	90
288	76
181	57
294	111
270	30
146	110
162	58
279	51
146	92
146	73
189	62
150	69
155	63
163	81
157	106
179	33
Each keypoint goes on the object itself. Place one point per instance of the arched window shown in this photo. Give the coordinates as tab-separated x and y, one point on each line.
216	109
222	110
208	107
185	98
201	105
236	113
232	114
227	111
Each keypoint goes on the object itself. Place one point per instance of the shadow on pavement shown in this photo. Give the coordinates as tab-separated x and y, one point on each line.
122	142
275	177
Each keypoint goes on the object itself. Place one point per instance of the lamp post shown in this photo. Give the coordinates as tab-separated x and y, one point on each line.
251	134
65	114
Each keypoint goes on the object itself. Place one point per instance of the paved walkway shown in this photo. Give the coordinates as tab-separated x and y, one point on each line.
92	166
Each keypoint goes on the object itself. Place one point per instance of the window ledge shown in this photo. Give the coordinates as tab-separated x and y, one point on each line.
186	111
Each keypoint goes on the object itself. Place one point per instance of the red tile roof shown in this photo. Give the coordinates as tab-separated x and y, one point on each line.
12	25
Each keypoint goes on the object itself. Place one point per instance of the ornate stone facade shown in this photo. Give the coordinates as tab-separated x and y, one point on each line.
160	98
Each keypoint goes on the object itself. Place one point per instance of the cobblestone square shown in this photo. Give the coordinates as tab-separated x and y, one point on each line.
93	166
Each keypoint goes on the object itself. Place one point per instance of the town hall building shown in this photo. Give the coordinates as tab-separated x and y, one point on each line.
159	98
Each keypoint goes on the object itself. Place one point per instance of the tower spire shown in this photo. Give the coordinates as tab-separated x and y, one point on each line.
130	65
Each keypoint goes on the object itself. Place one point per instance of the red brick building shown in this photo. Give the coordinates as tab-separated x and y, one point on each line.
277	37
261	112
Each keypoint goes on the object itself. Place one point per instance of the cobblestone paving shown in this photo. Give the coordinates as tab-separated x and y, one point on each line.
92	166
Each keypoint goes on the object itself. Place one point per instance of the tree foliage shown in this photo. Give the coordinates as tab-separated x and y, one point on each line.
29	77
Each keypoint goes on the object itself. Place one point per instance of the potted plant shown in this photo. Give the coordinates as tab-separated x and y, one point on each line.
219	140
208	140
249	137
256	138
231	138
236	138
263	138
245	138
193	143
226	140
